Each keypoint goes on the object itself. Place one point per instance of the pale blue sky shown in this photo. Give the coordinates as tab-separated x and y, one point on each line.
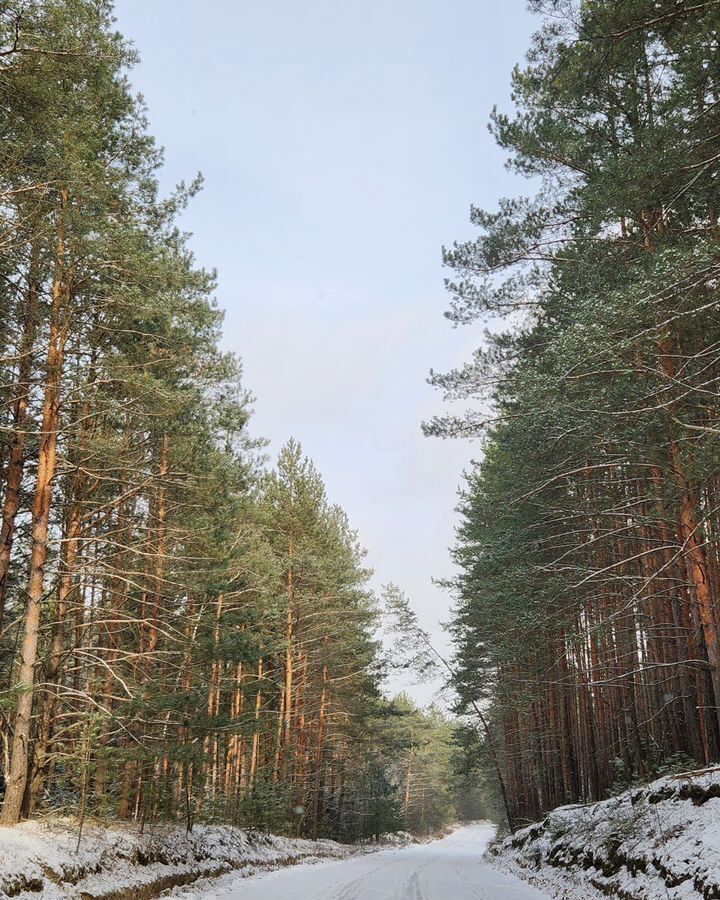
342	143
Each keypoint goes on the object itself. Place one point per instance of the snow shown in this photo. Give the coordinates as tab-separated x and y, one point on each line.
41	860
450	869
398	839
660	842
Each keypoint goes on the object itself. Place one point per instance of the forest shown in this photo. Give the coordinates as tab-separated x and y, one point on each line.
188	629
588	549
186	632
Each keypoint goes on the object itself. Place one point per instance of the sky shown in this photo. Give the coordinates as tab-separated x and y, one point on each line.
342	143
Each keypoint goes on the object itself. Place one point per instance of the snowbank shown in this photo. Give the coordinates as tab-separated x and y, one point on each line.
398	839
660	842
40	862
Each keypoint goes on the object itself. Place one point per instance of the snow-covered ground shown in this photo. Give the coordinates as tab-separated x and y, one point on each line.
450	869
43	862
660	842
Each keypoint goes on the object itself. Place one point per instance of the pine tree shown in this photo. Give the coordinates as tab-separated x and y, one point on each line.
588	541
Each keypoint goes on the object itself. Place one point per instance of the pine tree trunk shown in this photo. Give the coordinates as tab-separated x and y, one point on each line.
256	734
47	462
55	657
16	463
288	660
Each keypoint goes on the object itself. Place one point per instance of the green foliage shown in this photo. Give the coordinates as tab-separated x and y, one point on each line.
207	646
656	767
577	547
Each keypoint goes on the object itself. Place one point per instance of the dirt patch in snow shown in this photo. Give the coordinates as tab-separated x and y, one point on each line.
660	842
38	861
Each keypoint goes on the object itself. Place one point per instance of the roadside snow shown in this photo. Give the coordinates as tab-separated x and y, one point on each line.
661	842
40	862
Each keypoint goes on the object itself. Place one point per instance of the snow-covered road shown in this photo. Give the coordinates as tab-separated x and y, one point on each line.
451	869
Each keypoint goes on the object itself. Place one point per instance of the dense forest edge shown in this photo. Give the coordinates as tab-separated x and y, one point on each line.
586	611
186	634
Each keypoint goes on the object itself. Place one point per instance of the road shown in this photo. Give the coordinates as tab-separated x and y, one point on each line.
451	869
